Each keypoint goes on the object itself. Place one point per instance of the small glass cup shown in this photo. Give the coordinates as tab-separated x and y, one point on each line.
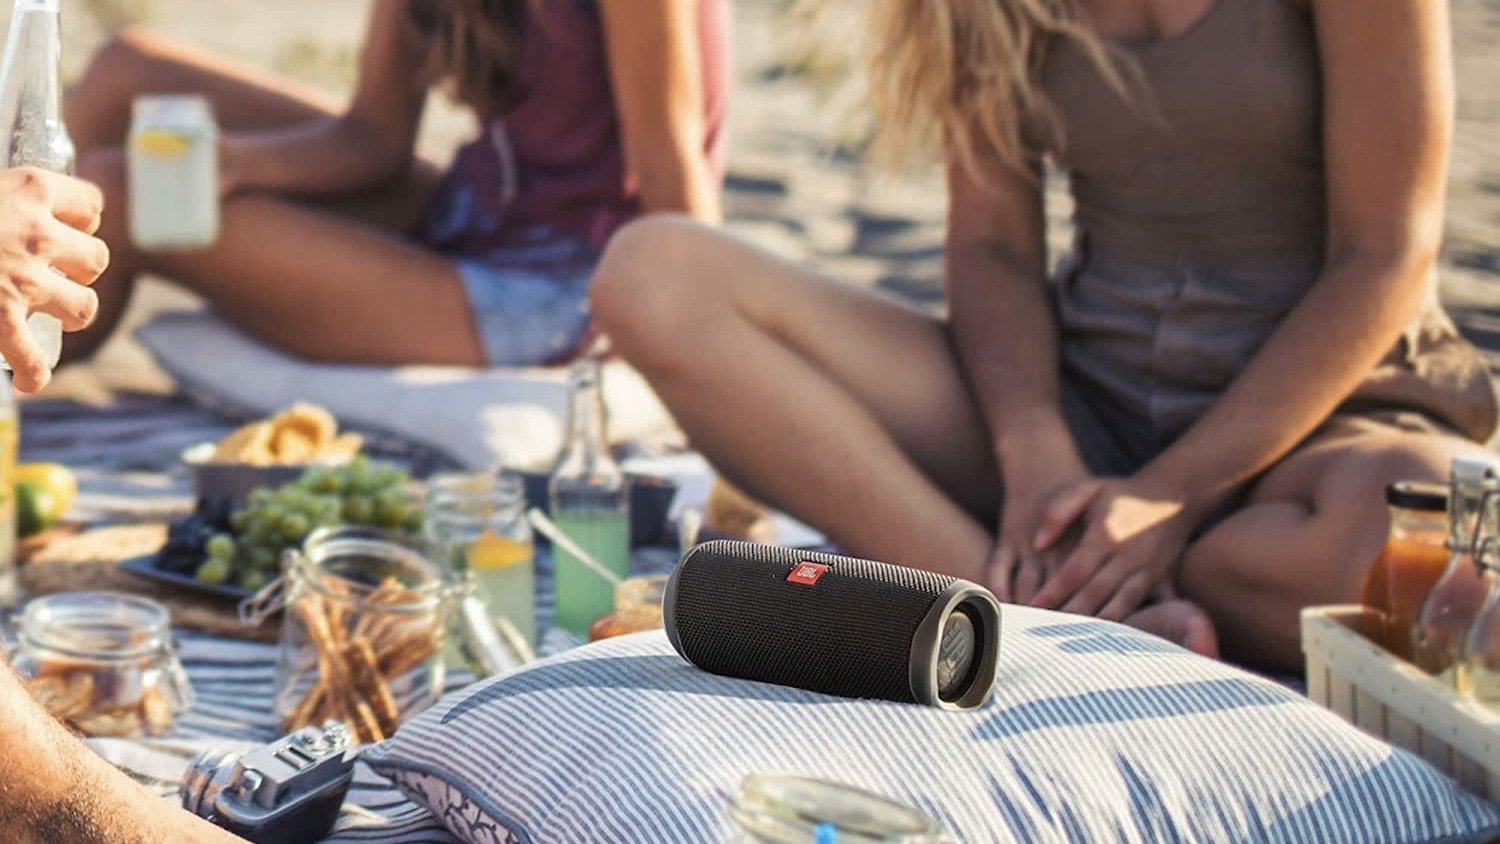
362	636
637	608
786	809
103	662
476	528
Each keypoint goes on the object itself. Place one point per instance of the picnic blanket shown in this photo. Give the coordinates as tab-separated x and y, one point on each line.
127	458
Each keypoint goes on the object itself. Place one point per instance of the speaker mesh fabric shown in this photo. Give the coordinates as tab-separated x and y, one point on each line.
849	635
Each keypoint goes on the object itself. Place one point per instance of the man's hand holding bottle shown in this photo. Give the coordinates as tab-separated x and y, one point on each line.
48	258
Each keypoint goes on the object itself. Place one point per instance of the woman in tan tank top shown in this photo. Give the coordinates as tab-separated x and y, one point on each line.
1207	402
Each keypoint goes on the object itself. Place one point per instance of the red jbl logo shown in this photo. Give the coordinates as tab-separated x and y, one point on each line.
806	573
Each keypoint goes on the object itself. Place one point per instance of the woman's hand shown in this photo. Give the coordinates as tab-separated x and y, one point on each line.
1133	535
48	257
1018	566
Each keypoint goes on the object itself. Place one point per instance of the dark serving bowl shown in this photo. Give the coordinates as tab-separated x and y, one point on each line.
651	500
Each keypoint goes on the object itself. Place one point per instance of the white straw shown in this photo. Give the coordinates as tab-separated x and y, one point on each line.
549	529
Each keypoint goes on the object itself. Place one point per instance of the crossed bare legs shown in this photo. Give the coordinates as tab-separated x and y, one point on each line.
848	409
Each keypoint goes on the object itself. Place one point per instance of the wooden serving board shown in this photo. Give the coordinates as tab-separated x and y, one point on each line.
68	561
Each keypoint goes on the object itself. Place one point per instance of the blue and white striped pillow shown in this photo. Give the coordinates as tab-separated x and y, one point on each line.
1096	733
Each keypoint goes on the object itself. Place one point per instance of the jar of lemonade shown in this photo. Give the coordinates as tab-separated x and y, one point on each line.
173	173
476	527
1414	557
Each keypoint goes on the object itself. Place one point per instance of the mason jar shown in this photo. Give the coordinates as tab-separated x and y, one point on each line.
103	662
476	529
362	632
786	809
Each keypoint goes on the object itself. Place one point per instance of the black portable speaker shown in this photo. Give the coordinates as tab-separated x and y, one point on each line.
836	625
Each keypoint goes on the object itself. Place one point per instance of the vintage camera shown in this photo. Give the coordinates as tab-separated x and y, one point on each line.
287	792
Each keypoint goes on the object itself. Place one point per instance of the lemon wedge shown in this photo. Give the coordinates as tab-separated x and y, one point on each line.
490	552
161	143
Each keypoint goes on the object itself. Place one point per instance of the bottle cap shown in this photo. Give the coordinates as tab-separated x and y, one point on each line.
1415	495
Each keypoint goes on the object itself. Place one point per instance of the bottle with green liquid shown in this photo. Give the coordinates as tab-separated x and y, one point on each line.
591	504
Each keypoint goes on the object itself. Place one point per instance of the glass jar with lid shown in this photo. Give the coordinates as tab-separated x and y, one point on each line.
363	631
1414	557
637	608
103	662
476	529
787	809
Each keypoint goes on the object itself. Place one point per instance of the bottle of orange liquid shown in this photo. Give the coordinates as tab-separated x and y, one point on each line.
1413	559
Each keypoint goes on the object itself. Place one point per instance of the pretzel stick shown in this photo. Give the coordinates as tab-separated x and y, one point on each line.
370	684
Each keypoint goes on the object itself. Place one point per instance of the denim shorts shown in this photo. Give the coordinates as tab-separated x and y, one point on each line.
529	298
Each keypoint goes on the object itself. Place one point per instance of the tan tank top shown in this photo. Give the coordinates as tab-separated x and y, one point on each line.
1201	221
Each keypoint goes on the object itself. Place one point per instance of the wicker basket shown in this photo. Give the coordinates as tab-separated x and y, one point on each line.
1398	702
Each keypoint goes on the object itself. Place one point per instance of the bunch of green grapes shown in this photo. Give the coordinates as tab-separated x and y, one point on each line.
272	521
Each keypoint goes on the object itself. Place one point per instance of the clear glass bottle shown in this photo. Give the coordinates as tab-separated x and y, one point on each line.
103	662
476	527
1481	665
10	431
785	809
637	608
1413	559
32	119
1451	607
590	503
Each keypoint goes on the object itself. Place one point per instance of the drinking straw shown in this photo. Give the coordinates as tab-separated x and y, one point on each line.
548	528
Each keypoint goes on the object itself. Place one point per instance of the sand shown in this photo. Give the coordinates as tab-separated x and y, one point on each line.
790	187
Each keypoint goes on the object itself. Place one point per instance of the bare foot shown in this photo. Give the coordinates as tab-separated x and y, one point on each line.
1181	622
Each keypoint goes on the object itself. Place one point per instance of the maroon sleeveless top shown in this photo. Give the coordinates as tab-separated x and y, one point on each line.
554	158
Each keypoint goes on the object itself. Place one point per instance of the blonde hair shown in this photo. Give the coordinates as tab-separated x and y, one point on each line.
966	74
474	47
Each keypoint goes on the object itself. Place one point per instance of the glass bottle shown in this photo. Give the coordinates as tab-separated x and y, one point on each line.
637	608
786	809
1481	666
10	429
31	117
1451	607
1414	557
591	504
476	527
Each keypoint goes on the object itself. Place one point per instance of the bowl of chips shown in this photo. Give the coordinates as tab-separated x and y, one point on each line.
269	453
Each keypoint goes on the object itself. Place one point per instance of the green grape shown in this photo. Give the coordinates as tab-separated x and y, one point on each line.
221	546
254	580
213	571
294	527
329	483
413	523
389	514
359	510
240	520
263	557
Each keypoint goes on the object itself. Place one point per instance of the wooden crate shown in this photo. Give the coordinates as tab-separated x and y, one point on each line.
1394	700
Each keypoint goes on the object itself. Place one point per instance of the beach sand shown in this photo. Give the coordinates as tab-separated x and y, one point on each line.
790	187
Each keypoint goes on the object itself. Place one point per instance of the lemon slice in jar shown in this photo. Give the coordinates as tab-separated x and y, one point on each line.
160	143
490	552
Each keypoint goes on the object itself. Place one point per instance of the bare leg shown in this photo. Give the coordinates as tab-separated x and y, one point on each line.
1310	530
314	284
98	114
831	402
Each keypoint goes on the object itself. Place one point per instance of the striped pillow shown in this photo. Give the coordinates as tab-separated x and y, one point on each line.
1096	733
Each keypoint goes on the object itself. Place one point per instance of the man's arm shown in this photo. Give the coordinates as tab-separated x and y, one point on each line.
55	789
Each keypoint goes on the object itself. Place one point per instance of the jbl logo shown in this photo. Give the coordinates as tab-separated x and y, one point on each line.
806	573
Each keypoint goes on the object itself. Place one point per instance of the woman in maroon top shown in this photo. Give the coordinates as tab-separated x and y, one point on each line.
339	244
